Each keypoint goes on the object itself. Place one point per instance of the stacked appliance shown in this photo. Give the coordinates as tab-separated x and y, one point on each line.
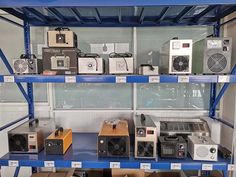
61	55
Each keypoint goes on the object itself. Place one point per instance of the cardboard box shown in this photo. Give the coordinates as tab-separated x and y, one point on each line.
67	173
127	173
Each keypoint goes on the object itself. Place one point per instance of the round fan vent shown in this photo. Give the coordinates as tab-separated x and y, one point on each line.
117	146
20	66
18	143
202	151
181	63
145	149
217	62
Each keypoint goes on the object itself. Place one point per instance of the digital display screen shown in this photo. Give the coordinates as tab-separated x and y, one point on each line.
186	45
168	150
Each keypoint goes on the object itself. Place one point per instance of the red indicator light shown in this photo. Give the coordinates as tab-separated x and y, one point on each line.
186	45
150	132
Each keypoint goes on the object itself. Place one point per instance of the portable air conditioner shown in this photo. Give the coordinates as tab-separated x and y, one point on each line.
212	55
176	57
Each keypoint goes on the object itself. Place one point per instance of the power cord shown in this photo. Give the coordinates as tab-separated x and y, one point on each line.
121	55
90	55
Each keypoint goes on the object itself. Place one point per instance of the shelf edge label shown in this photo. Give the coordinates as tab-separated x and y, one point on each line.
175	166
207	167
121	79
49	164
183	79
9	79
231	167
154	79
13	163
70	79
114	164
145	166
223	79
76	164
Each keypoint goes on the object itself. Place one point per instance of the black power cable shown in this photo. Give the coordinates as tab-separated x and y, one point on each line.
121	55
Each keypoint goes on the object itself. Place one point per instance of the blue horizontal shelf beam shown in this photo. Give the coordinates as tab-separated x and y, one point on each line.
13	123
97	16
77	15
36	13
162	14
86	153
112	78
14	13
104	3
56	14
204	12
182	14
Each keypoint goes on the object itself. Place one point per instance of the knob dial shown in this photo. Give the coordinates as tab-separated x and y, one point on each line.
213	150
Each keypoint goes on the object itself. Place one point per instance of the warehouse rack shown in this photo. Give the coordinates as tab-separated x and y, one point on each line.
119	13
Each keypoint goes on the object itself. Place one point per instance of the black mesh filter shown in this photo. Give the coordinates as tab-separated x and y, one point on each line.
180	63
217	62
20	66
18	143
145	149
117	146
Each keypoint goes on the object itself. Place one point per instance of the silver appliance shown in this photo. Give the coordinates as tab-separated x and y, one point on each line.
147	69
184	127
176	57
145	137
121	63
27	64
90	64
212	55
29	137
202	148
60	62
62	37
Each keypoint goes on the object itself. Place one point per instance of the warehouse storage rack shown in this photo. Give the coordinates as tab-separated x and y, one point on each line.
118	13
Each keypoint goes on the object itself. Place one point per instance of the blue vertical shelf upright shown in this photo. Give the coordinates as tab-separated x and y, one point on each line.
119	13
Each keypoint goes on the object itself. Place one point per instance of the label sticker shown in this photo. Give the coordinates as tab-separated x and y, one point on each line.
49	164
207	167
231	167
175	166
145	166
70	79
114	164
154	79
183	79
223	79
120	79
9	79
13	163
76	164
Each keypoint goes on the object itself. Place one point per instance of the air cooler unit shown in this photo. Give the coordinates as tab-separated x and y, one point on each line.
212	56
176	57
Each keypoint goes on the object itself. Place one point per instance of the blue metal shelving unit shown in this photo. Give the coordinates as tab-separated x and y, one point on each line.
119	13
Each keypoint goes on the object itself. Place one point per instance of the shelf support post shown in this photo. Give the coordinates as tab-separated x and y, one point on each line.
17	170
29	85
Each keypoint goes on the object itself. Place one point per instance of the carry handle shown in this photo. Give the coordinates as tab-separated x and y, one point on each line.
171	138
62	29
143	118
60	129
34	120
27	56
149	65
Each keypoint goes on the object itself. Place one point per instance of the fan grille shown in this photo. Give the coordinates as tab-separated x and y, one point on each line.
180	63
20	66
145	149
18	143
117	146
217	62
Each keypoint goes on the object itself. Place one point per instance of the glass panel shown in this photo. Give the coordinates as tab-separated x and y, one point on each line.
93	96
171	96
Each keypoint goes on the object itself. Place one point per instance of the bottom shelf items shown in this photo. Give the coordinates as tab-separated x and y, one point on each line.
83	154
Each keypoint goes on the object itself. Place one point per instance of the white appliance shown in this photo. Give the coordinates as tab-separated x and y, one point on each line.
62	37
91	65
176	57
121	63
145	137
146	69
202	148
212	55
